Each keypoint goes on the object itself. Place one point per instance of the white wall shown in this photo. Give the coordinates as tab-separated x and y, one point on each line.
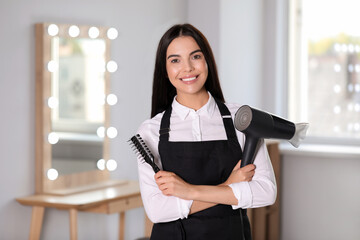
140	24
320	196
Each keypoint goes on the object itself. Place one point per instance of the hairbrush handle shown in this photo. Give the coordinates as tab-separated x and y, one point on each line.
142	149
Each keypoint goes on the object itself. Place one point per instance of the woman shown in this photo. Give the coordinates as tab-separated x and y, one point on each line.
201	187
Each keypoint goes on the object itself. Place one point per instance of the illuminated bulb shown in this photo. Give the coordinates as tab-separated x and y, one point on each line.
52	66
357	48
344	47
111	132
53	29
111	99
350	127
74	31
337	68
112	33
337	109
100	132
337	47
337	88
350	107
357	127
357	68
101	164
357	107
336	129
357	87
52	174
351	48
351	68
53	102
350	87
111	165
111	66
53	138
94	32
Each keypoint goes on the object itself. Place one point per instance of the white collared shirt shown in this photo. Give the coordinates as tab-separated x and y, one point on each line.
204	124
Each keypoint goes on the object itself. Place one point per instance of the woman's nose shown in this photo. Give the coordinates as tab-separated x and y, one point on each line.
188	66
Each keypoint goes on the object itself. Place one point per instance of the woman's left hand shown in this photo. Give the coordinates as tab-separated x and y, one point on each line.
171	184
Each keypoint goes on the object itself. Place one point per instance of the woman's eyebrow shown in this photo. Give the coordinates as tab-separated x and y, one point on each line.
198	50
177	55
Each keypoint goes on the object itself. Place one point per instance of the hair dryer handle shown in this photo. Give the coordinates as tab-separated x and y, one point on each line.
250	148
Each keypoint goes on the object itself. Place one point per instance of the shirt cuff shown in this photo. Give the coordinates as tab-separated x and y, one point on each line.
243	194
184	207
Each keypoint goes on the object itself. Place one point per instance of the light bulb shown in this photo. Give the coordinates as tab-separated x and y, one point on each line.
53	138
101	164
94	32
53	102
52	174
53	30
111	99
52	66
100	132
111	132
111	66
112	33
111	165
74	31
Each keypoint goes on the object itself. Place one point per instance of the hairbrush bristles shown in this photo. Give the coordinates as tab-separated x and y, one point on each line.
143	151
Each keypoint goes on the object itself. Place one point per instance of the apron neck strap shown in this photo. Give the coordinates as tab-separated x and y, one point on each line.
225	113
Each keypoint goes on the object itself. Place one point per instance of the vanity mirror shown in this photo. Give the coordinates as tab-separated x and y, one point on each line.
73	101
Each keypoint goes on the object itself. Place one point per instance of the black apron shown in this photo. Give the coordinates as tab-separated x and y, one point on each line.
203	163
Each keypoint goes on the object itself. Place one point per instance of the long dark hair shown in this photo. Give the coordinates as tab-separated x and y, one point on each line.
163	91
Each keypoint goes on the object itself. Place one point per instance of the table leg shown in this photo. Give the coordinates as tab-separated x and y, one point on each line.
121	225
36	222
73	223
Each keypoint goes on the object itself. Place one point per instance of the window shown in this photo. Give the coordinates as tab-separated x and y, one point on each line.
324	69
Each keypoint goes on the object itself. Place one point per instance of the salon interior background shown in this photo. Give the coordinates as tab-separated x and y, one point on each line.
249	41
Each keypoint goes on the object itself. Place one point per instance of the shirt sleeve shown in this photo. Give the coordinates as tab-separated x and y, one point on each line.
261	190
158	207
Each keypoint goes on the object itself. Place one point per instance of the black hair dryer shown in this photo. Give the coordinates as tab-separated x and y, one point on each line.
256	124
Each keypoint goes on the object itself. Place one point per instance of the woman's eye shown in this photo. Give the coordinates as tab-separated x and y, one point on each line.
175	60
198	56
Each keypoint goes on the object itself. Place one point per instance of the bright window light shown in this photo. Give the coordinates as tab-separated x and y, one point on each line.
324	86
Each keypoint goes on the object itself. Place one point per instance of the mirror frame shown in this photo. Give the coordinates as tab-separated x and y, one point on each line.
76	182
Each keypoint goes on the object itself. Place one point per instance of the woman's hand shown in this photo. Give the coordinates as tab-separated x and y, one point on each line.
171	184
241	174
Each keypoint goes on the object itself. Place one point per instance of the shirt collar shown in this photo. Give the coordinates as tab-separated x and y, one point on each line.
183	112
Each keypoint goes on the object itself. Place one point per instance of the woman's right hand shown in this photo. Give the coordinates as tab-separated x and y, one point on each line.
243	174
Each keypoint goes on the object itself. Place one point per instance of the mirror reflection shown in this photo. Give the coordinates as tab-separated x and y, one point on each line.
78	98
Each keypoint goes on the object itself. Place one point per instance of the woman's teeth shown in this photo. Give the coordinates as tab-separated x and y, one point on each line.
188	79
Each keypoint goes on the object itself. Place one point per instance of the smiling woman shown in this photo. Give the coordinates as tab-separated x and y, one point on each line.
200	191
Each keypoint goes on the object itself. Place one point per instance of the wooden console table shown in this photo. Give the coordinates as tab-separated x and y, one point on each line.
108	200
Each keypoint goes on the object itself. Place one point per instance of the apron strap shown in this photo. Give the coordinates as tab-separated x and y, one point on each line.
227	119
224	111
165	125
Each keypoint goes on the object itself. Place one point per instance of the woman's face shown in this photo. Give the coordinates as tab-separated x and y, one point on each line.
186	66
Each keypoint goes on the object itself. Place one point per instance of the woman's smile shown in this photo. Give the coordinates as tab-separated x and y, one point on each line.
189	79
